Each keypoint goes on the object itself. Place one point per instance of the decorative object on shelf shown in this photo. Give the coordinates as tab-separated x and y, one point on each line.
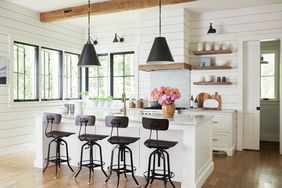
200	46
220	62
118	39
224	46
109	101
211	29
262	61
218	79
216	46
224	79
3	70
208	78
160	51
88	56
166	97
196	103
208	46
205	62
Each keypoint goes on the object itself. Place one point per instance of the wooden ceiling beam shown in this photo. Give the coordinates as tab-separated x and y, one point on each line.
105	7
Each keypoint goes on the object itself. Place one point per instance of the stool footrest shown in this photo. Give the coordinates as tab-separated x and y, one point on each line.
159	174
62	159
94	164
122	168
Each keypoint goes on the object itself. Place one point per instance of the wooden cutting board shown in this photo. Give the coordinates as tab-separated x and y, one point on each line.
217	97
201	98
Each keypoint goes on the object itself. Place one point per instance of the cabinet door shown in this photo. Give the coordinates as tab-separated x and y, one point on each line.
221	123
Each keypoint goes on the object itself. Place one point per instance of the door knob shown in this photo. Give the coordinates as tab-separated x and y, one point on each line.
258	108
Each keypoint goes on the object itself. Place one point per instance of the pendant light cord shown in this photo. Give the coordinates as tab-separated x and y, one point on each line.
89	38
160	18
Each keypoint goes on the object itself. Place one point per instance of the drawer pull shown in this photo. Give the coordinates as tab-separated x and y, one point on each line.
215	139
215	122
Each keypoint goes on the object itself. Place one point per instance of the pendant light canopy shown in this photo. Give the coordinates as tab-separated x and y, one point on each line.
160	51
88	56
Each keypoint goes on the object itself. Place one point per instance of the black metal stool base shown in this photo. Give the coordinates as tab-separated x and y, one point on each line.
58	159
122	168
91	163
160	174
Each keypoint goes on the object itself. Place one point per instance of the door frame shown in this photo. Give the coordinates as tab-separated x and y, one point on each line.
240	112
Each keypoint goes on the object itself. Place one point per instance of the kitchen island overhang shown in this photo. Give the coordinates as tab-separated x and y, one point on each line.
191	158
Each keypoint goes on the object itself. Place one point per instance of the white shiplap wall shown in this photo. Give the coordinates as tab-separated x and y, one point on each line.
139	35
20	24
173	28
230	25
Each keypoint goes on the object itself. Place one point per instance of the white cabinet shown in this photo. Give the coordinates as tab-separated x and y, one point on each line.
224	128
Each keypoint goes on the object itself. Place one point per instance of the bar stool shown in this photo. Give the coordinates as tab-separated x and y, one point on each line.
121	143
160	152
91	140
49	119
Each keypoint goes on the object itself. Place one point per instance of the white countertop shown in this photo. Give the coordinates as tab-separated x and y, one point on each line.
179	119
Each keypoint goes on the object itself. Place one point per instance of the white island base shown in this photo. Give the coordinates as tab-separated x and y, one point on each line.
190	159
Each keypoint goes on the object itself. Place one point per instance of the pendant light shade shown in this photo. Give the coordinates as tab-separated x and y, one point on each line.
88	57
160	51
211	29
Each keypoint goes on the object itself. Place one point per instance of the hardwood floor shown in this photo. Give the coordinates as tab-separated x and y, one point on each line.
246	169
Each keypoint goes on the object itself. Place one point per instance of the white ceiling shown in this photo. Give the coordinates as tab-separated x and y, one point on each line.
48	5
195	6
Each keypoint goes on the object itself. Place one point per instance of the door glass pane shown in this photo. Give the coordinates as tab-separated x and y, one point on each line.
267	87
269	68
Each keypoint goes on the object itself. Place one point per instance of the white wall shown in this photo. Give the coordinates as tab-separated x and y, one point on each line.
20	24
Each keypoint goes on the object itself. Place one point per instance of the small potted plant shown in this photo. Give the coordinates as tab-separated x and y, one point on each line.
101	102
109	101
96	101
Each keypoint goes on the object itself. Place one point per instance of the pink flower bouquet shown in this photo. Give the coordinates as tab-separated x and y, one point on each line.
165	95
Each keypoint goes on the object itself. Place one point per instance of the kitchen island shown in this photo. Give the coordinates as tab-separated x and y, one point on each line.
191	158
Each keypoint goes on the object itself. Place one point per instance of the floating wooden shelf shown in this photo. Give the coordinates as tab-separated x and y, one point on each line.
212	83
212	52
212	67
168	66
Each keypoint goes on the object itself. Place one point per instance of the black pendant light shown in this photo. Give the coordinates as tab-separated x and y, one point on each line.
211	29
160	51
88	56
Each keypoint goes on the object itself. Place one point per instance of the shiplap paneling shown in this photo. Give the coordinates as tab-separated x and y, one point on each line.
230	25
17	120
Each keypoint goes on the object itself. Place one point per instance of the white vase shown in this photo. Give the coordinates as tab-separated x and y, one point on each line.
208	46
200	46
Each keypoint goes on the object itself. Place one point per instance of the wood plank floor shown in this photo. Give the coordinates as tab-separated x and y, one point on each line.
246	169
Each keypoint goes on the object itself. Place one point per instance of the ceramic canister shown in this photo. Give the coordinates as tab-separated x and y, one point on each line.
208	46
200	46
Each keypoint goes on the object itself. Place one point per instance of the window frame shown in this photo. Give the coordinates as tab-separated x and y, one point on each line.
276	74
60	77
36	73
79	76
112	72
